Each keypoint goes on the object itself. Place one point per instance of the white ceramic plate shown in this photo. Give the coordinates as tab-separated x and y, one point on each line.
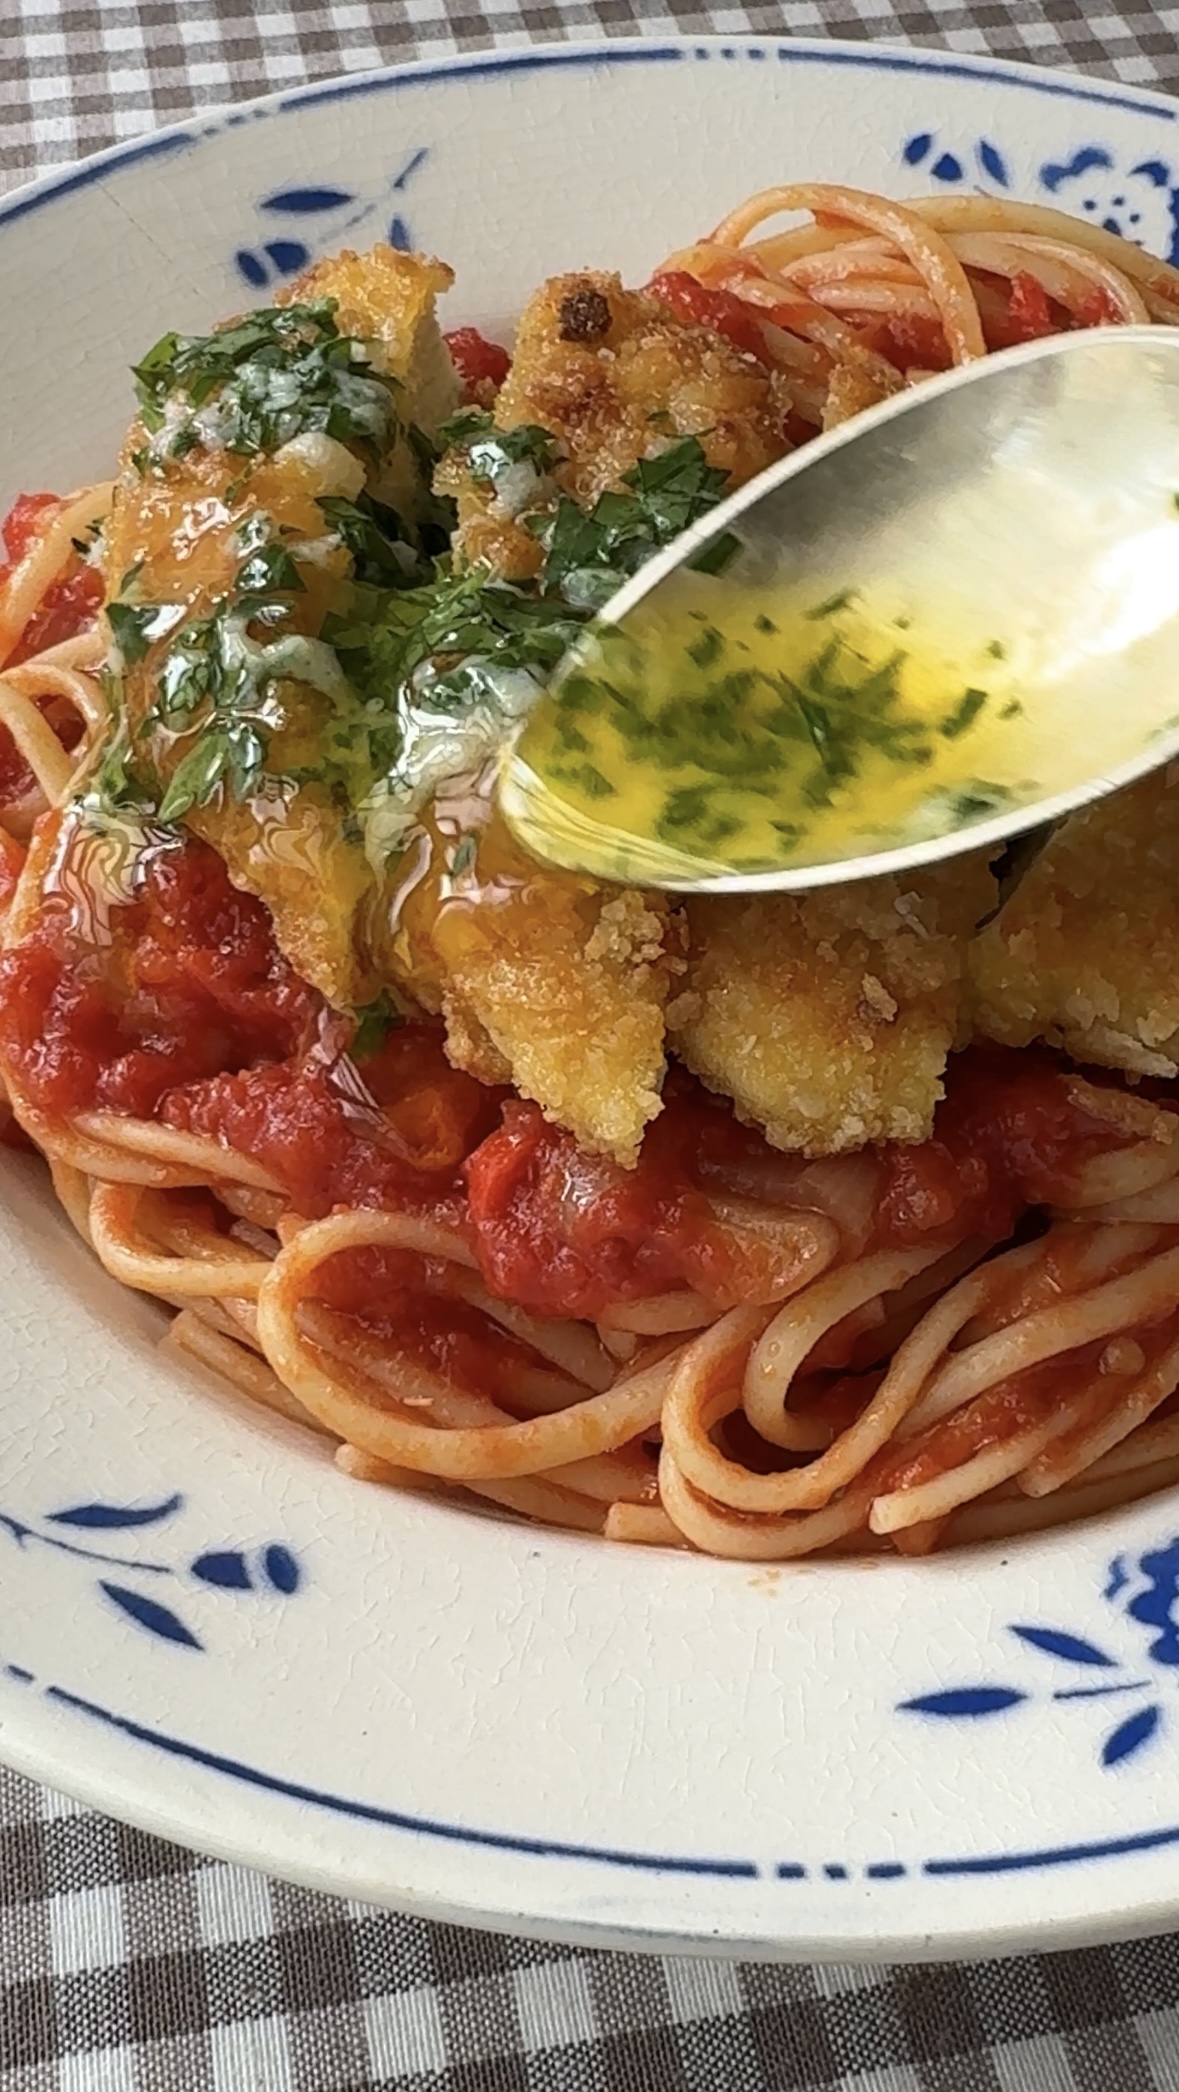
210	1631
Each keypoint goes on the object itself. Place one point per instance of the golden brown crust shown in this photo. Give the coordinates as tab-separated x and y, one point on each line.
828	1018
614	377
180	529
546	980
1084	953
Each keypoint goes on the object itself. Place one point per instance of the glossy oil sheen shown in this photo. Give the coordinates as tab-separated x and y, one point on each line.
1021	513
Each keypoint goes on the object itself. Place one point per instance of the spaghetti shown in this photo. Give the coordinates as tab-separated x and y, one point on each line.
758	1354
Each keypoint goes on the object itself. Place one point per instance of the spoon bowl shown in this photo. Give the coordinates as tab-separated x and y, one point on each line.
939	626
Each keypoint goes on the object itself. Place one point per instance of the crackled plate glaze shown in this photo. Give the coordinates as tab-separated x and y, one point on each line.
206	1628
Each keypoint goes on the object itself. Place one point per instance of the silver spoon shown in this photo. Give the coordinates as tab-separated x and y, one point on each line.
1002	541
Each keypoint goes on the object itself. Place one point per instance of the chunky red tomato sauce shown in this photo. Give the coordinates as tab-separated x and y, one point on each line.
186	1009
1011	1133
569	1234
188	982
392	1133
481	364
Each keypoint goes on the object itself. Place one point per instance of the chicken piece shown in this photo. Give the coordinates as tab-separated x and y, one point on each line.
1085	954
615	378
177	531
545	980
388	298
827	1018
552	979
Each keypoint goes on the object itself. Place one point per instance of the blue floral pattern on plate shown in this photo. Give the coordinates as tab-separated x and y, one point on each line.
1152	1585
312	218
98	1533
1139	202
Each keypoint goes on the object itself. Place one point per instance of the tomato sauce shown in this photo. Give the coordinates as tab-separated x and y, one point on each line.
188	983
391	1134
565	1233
1010	1134
699	305
481	365
184	1008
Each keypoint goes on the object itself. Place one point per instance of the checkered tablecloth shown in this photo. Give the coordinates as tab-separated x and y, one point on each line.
127	1965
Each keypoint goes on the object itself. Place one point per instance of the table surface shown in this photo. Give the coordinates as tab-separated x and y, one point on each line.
127	1965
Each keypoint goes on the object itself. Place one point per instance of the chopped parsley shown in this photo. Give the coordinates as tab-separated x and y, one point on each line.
451	666
376	538
589	556
492	452
964	714
136	627
269	377
374	1022
423	677
831	605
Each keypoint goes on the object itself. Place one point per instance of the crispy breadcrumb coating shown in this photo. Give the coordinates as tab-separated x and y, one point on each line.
293	853
827	1017
545	980
388	298
1084	954
559	983
615	378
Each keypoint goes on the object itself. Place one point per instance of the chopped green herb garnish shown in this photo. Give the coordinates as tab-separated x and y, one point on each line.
135	627
375	536
708	648
587	557
996	650
979	799
463	856
374	1022
964	714
832	604
274	375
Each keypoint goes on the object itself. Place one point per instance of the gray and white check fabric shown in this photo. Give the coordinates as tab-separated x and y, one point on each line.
127	1965
75	77
130	1966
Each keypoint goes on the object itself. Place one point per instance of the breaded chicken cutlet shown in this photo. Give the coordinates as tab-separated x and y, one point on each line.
827	1020
556	983
827	1017
615	378
1083	954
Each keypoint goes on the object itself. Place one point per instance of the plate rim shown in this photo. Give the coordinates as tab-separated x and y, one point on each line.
204	125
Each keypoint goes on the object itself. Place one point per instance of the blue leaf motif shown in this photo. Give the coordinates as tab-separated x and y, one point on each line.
256	273
965	1700
1054	1642
115	1517
1054	173
1130	1735
991	160
147	1612
226	1570
947	169
304	203
917	148
288	255
281	1569
400	235
415	160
